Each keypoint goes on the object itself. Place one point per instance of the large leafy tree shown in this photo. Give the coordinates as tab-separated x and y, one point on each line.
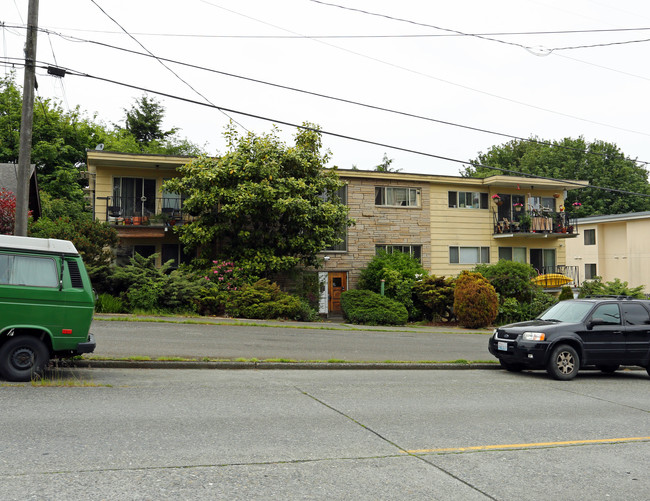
600	163
265	205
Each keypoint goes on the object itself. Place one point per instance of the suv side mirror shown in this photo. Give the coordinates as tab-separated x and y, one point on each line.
595	321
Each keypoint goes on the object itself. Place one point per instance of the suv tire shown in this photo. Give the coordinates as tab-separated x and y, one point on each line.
22	357
564	363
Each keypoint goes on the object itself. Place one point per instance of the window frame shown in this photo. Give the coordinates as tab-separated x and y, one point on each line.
482	253
414	250
591	240
589	274
381	196
454	196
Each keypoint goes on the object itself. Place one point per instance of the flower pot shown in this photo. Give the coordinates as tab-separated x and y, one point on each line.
137	220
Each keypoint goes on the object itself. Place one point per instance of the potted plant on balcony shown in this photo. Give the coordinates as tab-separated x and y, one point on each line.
497	199
524	222
517	206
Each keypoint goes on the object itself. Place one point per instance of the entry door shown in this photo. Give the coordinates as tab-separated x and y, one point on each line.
338	283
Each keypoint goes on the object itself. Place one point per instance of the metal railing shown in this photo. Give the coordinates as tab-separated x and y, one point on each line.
145	210
533	221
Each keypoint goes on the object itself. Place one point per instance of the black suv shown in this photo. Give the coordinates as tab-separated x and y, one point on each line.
605	332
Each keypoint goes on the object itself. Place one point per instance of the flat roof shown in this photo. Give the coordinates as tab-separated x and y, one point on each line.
43	245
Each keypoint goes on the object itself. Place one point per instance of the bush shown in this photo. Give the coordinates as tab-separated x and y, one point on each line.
476	303
109	304
596	287
265	300
399	272
367	307
510	279
435	297
566	293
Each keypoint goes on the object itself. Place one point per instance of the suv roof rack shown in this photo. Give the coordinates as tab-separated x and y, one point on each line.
610	296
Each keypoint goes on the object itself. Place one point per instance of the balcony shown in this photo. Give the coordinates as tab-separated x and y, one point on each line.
535	224
142	211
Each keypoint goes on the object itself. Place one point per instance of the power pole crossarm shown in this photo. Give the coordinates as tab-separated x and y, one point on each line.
25	151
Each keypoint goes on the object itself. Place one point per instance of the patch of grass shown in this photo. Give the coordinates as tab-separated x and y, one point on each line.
175	359
282	360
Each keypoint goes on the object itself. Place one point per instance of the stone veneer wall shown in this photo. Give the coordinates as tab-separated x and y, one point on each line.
380	225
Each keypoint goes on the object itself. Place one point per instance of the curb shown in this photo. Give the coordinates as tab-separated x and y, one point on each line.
156	364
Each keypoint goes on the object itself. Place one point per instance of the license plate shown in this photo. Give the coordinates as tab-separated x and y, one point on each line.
502	346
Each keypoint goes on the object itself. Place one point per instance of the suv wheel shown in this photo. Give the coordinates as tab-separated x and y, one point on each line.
564	363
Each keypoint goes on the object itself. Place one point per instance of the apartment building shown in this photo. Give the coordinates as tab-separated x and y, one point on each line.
613	246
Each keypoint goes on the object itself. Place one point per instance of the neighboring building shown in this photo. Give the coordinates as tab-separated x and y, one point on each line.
613	246
9	181
126	191
450	224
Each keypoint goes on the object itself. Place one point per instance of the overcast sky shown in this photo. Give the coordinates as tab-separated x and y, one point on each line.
532	85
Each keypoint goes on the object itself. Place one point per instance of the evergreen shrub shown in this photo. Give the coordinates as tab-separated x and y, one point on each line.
476	303
367	307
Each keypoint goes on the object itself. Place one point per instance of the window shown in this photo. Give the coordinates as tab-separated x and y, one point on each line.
517	254
607	313
468	200
635	314
469	255
542	204
135	196
590	237
590	271
397	197
28	270
414	251
174	252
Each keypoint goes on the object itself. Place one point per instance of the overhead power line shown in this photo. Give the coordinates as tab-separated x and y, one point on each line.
376	107
343	100
350	138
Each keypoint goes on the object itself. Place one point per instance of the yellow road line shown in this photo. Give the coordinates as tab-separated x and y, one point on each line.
531	445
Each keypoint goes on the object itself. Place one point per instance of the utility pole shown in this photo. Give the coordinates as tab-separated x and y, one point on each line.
25	151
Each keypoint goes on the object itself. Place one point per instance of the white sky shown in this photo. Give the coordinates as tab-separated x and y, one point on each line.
599	93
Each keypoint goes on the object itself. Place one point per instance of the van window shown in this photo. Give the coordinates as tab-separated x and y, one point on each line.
28	270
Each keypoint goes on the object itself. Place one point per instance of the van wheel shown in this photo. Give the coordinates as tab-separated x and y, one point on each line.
564	363
22	357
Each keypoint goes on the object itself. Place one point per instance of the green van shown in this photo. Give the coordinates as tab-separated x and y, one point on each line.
46	305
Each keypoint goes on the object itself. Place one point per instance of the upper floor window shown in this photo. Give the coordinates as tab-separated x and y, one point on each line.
414	251
397	197
342	196
468	199
590	237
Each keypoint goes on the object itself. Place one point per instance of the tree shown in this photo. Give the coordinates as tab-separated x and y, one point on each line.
476	303
266	206
144	121
7	212
384	166
600	163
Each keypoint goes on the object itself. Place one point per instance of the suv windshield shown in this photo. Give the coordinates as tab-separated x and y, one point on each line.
567	311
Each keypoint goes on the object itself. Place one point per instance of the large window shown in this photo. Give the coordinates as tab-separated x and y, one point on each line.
590	271
415	251
28	270
467	200
590	237
397	197
517	254
469	255
135	196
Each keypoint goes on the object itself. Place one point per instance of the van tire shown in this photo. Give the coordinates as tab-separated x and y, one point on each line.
22	358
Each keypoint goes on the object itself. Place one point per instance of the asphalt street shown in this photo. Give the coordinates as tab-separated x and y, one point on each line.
198	338
335	435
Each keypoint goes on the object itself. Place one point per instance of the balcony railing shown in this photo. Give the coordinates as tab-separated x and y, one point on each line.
532	223
145	210
549	276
